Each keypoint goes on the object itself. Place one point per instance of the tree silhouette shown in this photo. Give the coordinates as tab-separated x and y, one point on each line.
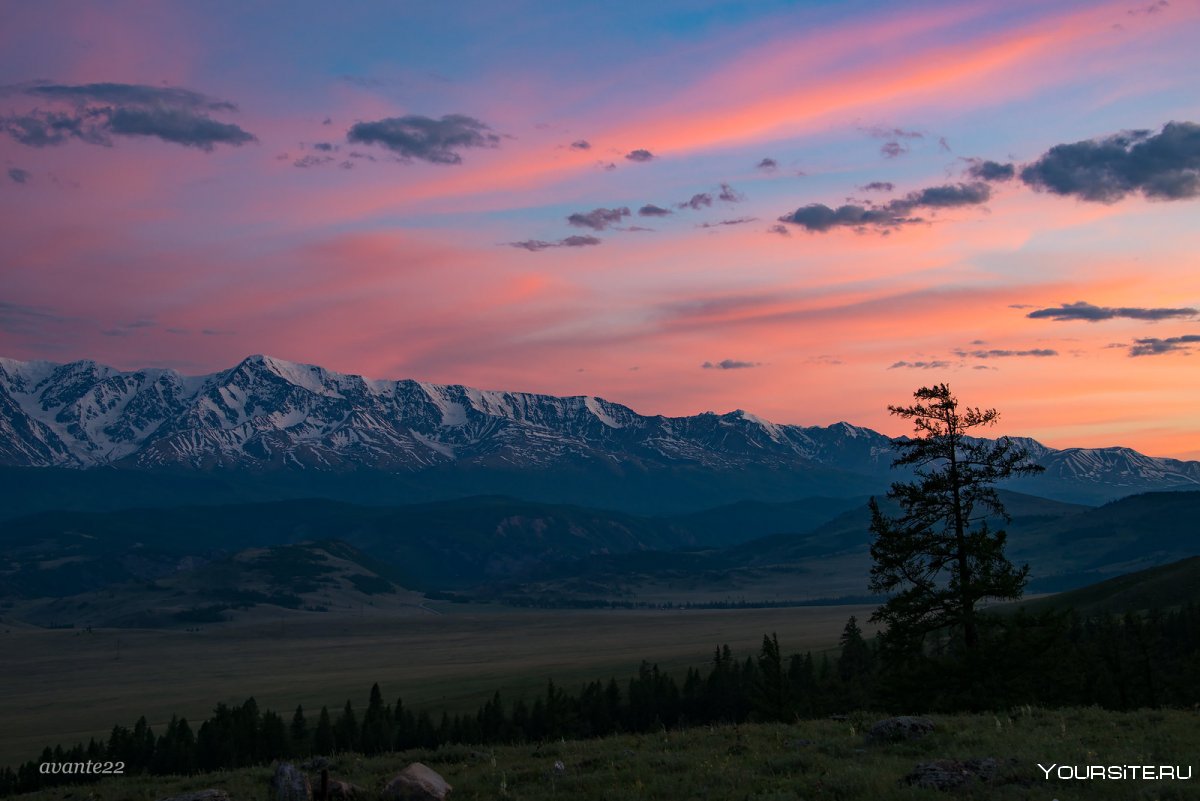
939	557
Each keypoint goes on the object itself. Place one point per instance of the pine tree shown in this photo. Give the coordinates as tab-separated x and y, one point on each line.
345	730
324	742
772	697
299	732
854	661
939	559
377	725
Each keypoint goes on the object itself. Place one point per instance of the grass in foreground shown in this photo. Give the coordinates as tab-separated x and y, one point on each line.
821	759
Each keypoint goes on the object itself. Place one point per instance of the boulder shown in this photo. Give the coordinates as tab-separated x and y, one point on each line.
290	784
200	795
891	730
344	791
417	782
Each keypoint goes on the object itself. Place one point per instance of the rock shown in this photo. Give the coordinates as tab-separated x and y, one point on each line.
948	774
200	795
316	764
417	782
290	784
344	790
893	730
559	768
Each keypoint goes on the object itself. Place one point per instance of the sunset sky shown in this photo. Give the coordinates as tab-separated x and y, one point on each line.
804	209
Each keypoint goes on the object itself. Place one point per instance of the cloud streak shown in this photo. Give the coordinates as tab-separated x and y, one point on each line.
598	219
414	137
818	217
997	353
1082	310
1154	346
95	113
730	364
537	245
922	365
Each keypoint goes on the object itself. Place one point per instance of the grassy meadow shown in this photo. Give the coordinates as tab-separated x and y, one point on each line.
65	685
817	759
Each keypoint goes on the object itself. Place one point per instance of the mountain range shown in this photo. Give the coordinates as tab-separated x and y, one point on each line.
295	430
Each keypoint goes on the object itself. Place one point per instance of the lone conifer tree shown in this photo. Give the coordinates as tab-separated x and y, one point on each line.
939	558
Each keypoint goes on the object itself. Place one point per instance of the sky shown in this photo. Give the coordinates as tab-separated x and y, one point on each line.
805	210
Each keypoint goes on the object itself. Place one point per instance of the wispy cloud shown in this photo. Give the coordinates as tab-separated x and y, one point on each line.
598	219
437	141
1082	310
730	364
94	113
818	217
921	365
1154	346
998	353
535	245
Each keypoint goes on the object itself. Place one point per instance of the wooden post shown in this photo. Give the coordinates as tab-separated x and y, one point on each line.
324	784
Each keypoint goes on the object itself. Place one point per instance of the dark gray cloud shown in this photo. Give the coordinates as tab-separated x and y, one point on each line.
894	213
884	132
737	221
1152	8
1162	166
984	170
767	164
19	318
819	217
577	241
607	166
640	155
128	94
177	125
1081	310
696	202
650	210
311	161
581	144
94	113
997	353
1153	346
598	219
327	147
930	365
947	196
878	186
535	245
779	229
894	146
18	175
730	195
730	364
424	138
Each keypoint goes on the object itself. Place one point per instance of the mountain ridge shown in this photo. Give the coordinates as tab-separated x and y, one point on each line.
266	414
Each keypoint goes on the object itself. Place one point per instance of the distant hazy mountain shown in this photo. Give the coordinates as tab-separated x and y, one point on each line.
267	416
176	566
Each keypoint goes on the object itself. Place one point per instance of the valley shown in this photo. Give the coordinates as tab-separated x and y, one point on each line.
64	685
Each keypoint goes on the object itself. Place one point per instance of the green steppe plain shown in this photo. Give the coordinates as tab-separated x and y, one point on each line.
64	685
820	759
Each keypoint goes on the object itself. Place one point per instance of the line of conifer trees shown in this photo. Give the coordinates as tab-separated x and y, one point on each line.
1052	659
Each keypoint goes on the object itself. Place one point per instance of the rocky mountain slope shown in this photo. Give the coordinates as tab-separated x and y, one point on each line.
267	415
